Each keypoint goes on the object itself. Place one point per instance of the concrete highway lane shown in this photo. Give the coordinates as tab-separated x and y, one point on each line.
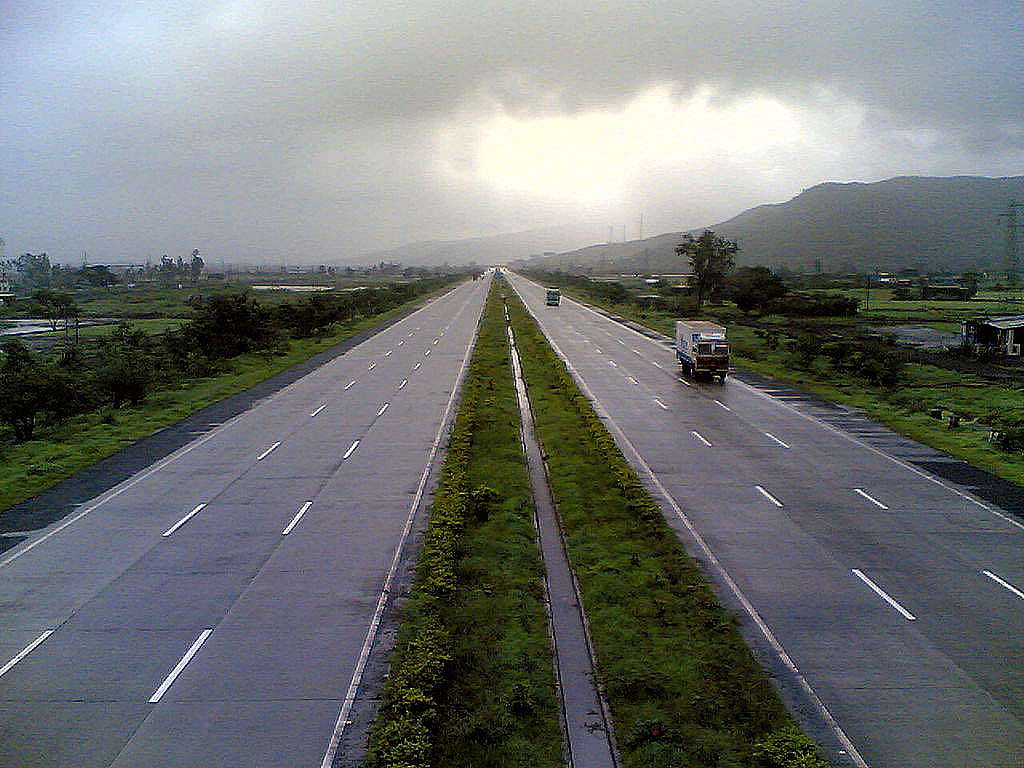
893	599
215	609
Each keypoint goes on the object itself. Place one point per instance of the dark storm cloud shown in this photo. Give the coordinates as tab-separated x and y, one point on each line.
279	130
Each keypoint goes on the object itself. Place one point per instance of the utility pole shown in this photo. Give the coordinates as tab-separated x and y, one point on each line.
640	235
1012	252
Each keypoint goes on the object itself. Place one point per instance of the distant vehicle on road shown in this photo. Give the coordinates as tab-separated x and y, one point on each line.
702	349
554	297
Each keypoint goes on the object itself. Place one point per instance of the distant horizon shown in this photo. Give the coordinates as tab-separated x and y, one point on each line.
376	255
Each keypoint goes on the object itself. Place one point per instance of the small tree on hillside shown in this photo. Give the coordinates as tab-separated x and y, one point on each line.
711	259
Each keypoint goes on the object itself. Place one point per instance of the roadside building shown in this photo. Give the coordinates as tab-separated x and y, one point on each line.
1002	335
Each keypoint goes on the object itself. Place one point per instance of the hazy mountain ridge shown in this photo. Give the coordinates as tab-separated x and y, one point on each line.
933	223
488	249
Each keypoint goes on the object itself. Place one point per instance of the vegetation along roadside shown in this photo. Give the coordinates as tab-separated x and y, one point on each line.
472	678
65	409
683	687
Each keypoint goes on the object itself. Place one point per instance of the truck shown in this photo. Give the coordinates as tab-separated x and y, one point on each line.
702	349
554	297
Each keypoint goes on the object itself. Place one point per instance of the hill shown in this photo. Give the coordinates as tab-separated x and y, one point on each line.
490	249
934	224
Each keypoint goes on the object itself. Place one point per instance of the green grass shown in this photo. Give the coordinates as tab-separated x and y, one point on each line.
28	468
156	325
683	687
472	677
878	304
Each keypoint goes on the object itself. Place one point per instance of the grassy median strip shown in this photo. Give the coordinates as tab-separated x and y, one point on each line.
30	467
472	678
683	686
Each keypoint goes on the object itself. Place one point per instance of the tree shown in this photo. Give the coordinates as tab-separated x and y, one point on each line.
34	269
711	259
29	386
55	306
196	266
126	371
970	280
754	288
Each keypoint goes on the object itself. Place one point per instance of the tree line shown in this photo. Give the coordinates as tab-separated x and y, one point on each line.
126	366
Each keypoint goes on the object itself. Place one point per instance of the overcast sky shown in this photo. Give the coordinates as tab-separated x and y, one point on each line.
312	132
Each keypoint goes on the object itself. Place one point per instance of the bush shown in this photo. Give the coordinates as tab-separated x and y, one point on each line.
754	288
802	305
1010	437
31	387
787	748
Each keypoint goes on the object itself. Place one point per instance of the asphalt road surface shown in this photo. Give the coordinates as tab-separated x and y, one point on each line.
218	607
893	600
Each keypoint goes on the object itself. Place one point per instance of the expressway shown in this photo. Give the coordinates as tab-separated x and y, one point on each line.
891	601
219	607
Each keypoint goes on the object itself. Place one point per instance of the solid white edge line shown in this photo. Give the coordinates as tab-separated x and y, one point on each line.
712	559
661	404
172	676
350	385
768	496
882	594
991	575
27	546
371	635
198	508
382	409
701	437
870	498
267	452
314	413
295	520
351	450
773	437
719	402
24	652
